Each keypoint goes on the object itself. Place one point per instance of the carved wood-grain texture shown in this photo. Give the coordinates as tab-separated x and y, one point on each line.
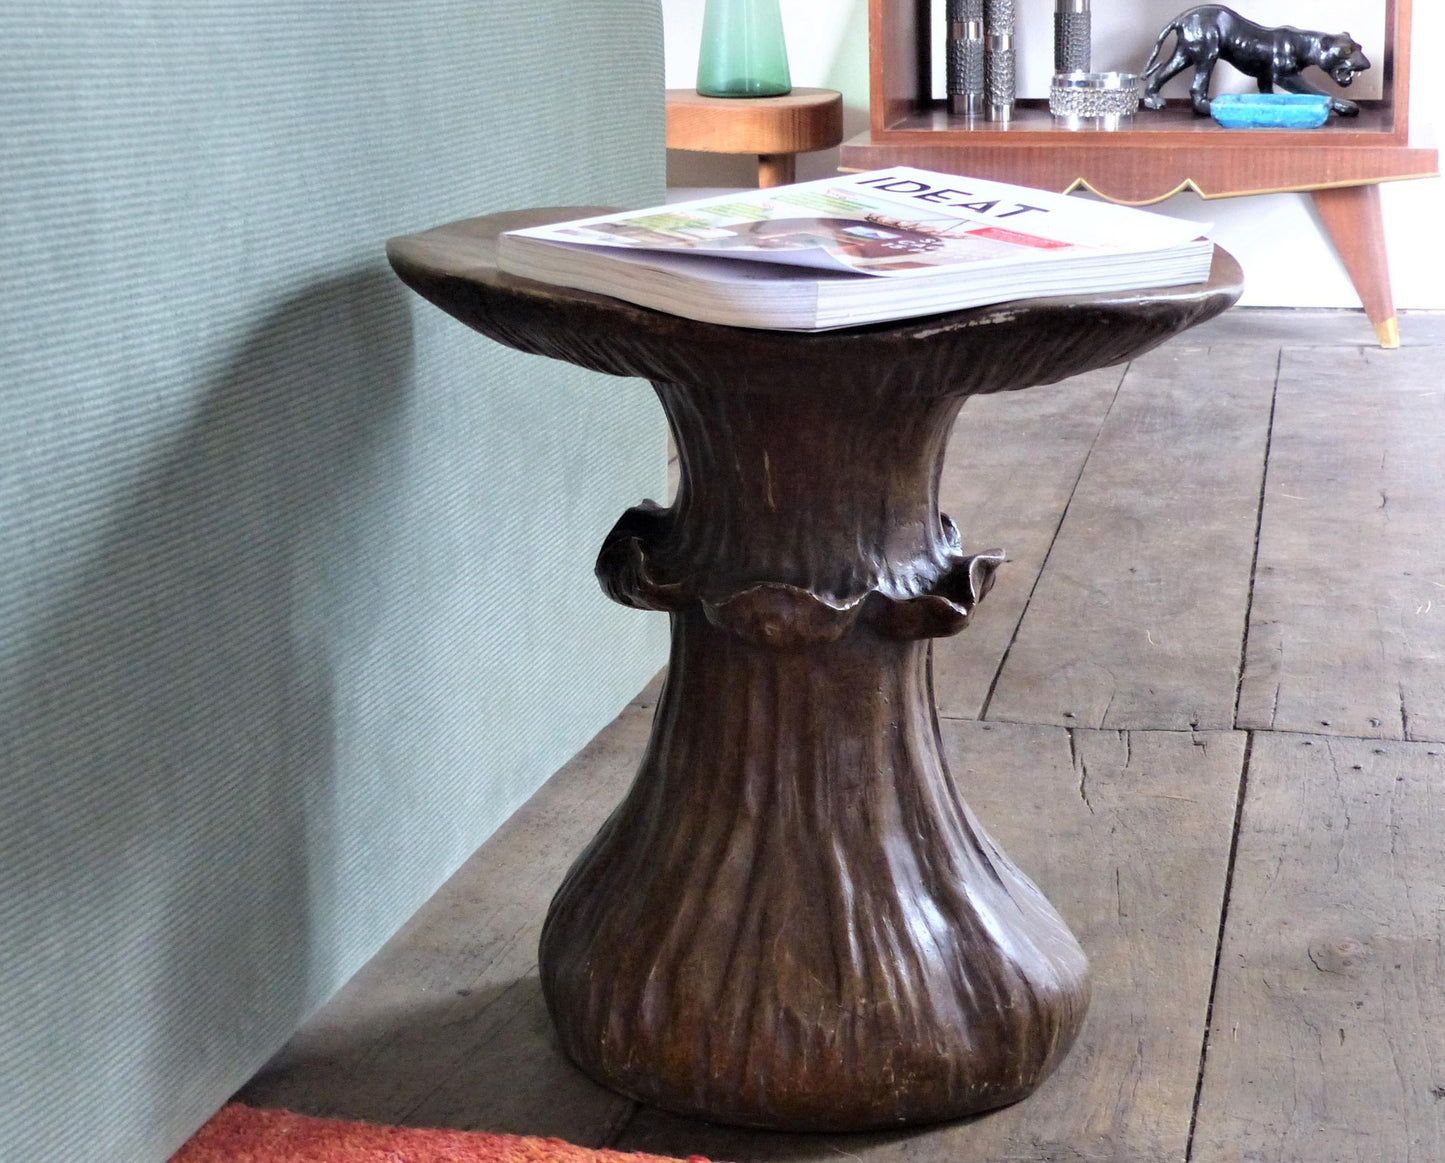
793	920
1129	833
795	924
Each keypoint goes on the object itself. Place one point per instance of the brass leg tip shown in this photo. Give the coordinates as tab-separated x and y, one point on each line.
1389	332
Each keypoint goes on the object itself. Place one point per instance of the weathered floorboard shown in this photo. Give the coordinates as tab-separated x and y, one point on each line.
1012	464
445	1026
1328	1038
1288	326
1292	327
1139	616
1128	834
1347	631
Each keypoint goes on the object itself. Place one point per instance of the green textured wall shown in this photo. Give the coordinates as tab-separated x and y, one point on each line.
296	600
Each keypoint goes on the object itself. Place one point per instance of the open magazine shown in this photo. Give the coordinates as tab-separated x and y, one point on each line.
860	248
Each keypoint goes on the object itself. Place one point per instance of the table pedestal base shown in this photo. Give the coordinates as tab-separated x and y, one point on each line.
793	920
795	926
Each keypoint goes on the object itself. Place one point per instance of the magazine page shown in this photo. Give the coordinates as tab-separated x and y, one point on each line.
893	222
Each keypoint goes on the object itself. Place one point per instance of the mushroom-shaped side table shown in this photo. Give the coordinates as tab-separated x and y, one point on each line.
793	920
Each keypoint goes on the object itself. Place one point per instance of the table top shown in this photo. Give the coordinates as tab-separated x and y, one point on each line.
982	349
798	122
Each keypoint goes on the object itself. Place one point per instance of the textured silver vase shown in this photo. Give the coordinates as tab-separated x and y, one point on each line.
966	75
1000	71
1094	100
1072	36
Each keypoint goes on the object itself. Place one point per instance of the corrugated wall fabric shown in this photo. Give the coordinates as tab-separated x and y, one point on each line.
296	600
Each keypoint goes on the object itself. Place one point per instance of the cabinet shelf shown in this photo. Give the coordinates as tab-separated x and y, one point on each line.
1374	124
1161	153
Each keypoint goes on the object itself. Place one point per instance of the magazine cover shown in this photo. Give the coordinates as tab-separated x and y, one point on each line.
892	222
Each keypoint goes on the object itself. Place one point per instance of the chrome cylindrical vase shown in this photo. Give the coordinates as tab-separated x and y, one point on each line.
1073	36
1094	100
966	77
1000	71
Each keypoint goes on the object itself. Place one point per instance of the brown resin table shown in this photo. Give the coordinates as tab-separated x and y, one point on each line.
793	920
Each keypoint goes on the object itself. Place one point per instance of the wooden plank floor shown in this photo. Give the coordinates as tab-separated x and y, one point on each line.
1348	634
1137	619
1204	708
1058	424
1328	1039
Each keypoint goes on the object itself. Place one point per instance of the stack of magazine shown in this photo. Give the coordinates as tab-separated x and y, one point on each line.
860	248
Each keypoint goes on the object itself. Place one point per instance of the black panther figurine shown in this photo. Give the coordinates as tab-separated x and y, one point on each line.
1272	56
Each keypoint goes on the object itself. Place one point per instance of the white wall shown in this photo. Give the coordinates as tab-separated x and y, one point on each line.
1287	257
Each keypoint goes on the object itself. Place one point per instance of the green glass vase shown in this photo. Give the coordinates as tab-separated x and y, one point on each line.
743	51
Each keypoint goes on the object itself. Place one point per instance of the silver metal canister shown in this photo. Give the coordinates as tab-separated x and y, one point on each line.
999	67
1072	36
1094	100
965	58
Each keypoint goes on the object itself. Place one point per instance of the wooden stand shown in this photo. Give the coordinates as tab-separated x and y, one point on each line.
793	920
1162	153
777	129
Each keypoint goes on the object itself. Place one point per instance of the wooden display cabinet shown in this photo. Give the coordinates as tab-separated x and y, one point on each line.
1162	153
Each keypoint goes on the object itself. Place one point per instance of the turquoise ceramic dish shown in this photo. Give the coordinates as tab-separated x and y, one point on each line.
1270	110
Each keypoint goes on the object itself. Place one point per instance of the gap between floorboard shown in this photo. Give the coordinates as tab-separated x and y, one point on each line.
1219	941
1003	659
1258	529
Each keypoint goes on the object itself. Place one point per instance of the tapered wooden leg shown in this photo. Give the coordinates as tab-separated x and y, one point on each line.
777	169
1352	216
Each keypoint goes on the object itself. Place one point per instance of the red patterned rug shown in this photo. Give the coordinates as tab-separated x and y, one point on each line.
242	1134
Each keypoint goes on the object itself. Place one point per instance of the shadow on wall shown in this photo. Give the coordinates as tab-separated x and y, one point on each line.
171	759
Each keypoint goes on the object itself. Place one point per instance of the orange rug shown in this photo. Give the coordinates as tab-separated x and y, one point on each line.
242	1134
